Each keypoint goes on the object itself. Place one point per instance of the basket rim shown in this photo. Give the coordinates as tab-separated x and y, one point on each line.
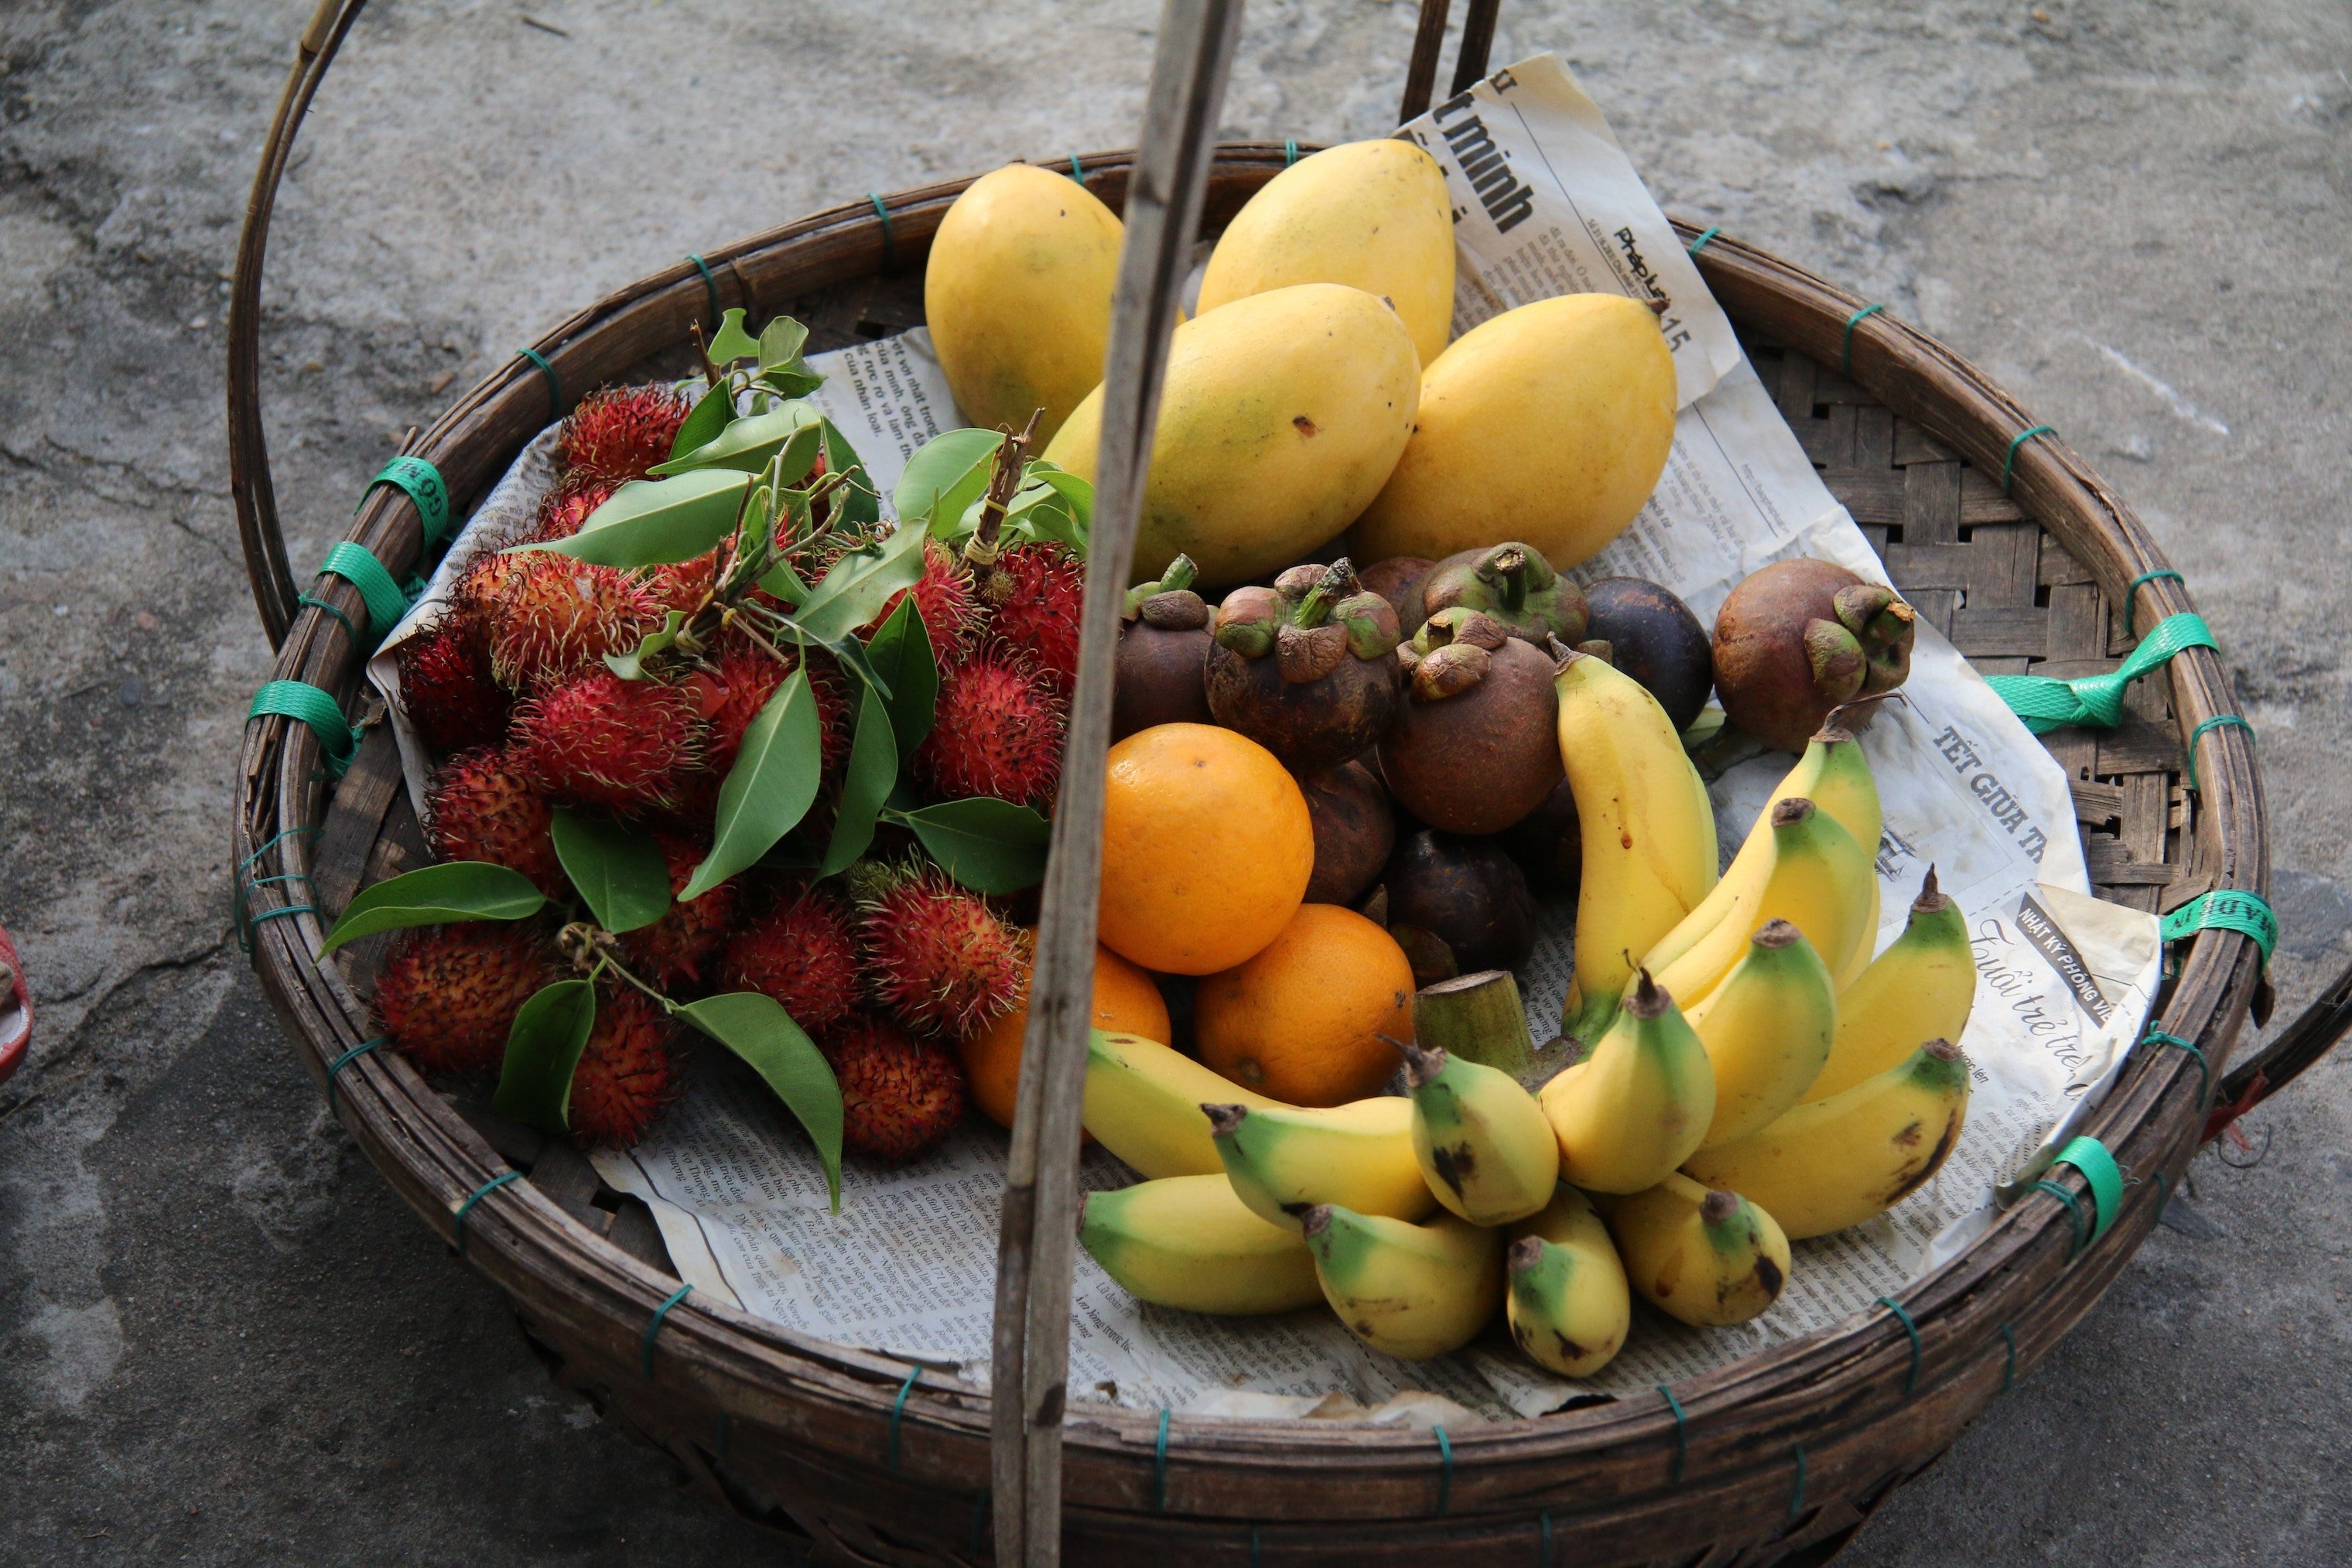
755	1369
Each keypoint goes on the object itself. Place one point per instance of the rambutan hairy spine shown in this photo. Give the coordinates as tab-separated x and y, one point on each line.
802	952
482	806
600	740
621	432
900	1096
937	955
447	995
998	730
627	1076
555	617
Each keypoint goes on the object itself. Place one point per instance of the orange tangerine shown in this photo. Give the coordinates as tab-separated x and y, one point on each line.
1125	1002
1301	1021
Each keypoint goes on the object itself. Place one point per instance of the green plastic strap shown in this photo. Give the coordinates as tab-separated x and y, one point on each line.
1253	1556
2205	1069
338	736
897	1409
1289	151
1845	355
475	1196
357	565
884	213
2046	703
1682	1433
1704	235
1910	1383
2132	587
2008	463
720	1452
710	285
320	604
1077	170
2216	722
335	1068
2073	1210
1159	1468
1543	1551
240	909
653	1328
554	386
1797	1497
2098	1166
1444	1470
2226	909
979	1518
2009	1374
422	483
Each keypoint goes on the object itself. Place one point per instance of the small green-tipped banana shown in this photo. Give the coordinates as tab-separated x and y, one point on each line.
1484	1144
1569	1305
1638	1106
1921	987
1187	1241
1707	1258
1284	1160
1408	1291
1836	1162
1816	878
1767	1031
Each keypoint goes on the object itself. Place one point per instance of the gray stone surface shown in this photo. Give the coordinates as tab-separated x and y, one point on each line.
222	1340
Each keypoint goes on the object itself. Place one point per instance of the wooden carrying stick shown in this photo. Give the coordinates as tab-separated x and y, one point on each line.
1035	1249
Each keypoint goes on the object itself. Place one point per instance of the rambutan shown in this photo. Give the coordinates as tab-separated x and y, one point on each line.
447	995
943	595
481	807
1035	594
684	585
556	617
627	1078
937	955
476	594
564	508
998	731
446	685
600	740
738	685
900	1097
673	950
800	952
621	432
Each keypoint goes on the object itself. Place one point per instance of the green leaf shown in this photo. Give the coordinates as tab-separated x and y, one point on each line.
987	844
631	665
782	367
712	413
757	1029
731	342
543	1052
946	476
873	769
859	584
795	429
856	504
619	871
769	789
437	895
901	653
659	521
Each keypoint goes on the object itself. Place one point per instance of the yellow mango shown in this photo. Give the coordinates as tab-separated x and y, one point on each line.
1017	294
1371	214
1280	418
1549	423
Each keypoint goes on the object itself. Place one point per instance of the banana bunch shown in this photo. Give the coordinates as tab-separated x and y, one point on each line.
1637	1107
1920	989
1708	1258
1767	1031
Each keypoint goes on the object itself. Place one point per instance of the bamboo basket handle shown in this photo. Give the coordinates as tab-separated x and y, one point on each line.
1429	38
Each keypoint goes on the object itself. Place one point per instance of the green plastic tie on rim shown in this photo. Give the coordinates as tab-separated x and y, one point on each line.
2235	909
1077	171
884	213
1797	1497
1910	1382
2133	587
709	286
2073	1211
554	387
2097	1164
339	738
240	910
2046	703
897	1409
2008	1375
2008	463
2205	1069
335	1068
720	1451
2216	722
475	1196
1681	1433
1254	1553
979	1518
653	1328
274	840
1289	151
1845	355
357	565
1704	235
1543	1551
1444	1470
420	481
320	604
1159	1468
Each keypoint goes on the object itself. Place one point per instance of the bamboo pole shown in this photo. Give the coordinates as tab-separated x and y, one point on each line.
1037	1243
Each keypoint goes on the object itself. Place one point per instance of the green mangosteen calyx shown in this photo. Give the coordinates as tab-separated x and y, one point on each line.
1513	583
1178	578
1306	667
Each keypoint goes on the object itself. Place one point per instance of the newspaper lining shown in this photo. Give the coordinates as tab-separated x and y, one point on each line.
1546	203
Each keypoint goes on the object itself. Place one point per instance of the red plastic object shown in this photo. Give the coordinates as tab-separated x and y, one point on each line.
16	1009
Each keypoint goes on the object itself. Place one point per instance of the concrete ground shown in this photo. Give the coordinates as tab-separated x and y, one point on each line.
221	1339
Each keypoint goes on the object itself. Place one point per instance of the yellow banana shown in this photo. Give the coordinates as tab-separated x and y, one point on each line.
1920	989
1638	1105
1410	1291
1816	879
1484	1145
1647	829
1188	1241
1836	1162
1569	1305
1707	1258
1767	1031
1284	1161
1143	1103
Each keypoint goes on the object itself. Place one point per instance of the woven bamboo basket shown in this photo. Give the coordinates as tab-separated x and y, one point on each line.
2018	551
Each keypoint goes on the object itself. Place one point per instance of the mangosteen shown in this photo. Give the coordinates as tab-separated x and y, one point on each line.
1476	745
1654	637
1307	668
1398	579
1801	636
1458	901
1163	655
1355	828
1513	583
1549	844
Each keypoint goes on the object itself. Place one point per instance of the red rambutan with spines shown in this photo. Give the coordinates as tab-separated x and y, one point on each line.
684	585
1034	601
565	507
943	595
599	740
900	1096
482	806
802	952
555	617
938	955
446	686
998	730
621	432
476	594
447	995
673	949
627	1074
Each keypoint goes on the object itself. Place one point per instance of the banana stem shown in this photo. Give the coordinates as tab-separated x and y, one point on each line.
1479	1018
